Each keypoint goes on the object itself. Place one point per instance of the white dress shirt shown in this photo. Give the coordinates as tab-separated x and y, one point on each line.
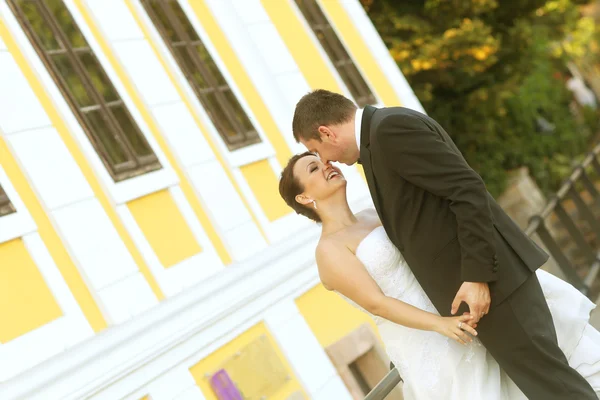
357	125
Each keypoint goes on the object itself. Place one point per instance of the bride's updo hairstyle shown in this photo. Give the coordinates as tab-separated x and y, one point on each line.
290	187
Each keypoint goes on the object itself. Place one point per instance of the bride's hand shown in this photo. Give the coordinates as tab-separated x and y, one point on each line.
456	328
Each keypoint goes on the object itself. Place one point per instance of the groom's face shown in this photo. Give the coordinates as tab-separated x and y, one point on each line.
333	146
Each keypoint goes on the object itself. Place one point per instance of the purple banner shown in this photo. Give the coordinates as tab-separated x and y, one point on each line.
224	387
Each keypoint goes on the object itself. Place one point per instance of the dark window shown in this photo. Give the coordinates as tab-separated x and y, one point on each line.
202	73
6	206
337	52
84	83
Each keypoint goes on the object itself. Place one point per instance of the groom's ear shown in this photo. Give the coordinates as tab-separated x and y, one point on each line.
327	135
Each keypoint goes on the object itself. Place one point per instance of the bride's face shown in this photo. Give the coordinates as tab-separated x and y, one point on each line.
318	180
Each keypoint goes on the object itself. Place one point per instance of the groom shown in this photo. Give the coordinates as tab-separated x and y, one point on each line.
458	242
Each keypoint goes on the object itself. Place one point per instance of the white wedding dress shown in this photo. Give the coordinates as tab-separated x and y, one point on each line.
436	367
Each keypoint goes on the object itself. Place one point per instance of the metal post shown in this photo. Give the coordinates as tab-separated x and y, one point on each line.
575	232
385	386
585	212
563	262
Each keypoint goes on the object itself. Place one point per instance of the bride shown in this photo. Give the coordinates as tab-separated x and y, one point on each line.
437	357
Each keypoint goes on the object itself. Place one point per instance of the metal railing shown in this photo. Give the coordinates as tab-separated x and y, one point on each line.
571	190
538	224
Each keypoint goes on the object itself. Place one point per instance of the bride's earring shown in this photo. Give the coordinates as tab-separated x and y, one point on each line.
315	204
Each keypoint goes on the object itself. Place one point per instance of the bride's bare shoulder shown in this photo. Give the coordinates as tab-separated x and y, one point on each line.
328	249
328	245
368	213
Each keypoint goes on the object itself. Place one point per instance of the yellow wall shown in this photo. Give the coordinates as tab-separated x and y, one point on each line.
164	227
26	302
329	316
265	186
185	185
213	363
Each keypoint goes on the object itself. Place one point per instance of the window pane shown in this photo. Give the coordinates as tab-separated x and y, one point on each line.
130	129
6	206
326	46
107	141
189	68
337	53
208	61
304	10
43	32
184	22
219	118
75	85
66	23
239	112
165	27
359	86
98	78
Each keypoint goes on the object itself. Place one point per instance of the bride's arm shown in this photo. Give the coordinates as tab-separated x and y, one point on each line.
342	271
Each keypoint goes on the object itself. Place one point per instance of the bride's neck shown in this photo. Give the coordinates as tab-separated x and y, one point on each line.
336	215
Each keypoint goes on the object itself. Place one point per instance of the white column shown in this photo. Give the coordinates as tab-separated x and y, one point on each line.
302	349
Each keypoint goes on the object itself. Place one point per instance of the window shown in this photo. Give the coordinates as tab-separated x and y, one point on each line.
6	206
94	100
211	88
337	52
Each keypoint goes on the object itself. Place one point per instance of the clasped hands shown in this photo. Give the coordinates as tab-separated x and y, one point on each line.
477	297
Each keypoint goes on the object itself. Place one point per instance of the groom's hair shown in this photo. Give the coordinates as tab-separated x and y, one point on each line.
290	187
320	107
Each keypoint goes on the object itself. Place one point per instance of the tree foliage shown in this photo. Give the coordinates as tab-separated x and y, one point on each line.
489	73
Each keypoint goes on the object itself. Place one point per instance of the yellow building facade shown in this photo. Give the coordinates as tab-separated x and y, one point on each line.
144	249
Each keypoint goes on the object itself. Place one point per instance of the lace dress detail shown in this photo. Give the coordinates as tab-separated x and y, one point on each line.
435	367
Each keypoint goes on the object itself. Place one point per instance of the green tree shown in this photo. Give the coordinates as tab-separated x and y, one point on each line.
492	75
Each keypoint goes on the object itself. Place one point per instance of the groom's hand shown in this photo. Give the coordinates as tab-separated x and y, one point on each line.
477	297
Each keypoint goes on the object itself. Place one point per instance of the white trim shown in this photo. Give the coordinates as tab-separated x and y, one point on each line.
381	54
144	185
121	191
179	332
326	58
18	223
175	278
250	154
311	364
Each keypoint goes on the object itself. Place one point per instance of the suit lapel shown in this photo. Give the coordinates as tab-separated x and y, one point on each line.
365	155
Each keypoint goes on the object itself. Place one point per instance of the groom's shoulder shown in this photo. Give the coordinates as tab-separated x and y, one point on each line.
384	112
400	117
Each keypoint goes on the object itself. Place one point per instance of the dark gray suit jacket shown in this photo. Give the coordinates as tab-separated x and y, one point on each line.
437	211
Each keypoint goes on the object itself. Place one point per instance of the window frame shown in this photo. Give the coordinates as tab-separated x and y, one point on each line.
18	223
378	103
5	203
235	158
119	171
249	137
119	192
